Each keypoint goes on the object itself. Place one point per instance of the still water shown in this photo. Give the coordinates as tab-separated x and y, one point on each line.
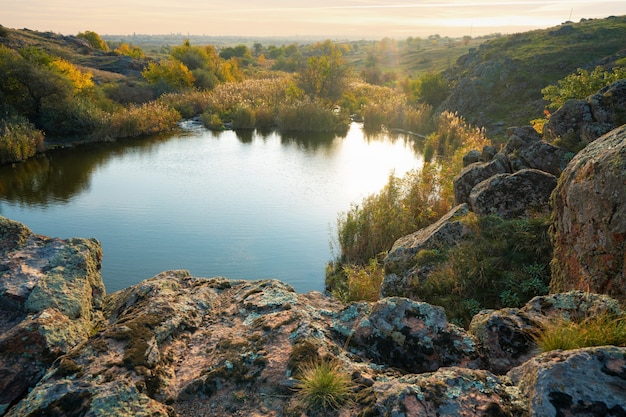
239	205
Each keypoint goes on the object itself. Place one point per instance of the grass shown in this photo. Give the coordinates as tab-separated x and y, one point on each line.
503	263
566	334
323	385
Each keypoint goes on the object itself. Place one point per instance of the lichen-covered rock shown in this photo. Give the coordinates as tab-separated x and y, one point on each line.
572	305
406	334
473	174
589	219
583	382
505	337
545	157
448	392
525	193
50	299
401	267
588	119
520	138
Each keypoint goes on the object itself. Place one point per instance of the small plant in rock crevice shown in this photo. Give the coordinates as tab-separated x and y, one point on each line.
567	334
323	385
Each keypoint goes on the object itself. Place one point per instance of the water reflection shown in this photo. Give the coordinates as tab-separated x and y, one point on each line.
59	175
238	204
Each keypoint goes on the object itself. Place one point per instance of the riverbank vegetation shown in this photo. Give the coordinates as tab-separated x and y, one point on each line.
83	88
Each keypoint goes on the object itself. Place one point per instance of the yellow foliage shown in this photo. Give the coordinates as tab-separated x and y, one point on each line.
80	80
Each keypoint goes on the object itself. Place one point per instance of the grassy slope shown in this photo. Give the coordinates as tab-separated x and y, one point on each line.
497	80
500	83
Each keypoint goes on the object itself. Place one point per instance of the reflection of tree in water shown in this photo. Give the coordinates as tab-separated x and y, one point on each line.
62	174
310	141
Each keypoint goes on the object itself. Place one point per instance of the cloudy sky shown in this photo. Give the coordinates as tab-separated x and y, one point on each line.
372	19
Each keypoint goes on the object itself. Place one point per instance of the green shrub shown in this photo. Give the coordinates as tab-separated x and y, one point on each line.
19	140
503	263
212	121
355	282
243	117
566	334
323	385
580	85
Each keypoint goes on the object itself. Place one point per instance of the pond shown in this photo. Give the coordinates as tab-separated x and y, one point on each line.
248	205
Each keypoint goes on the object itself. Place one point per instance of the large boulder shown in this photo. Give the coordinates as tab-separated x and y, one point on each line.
589	219
401	266
588	119
583	382
475	173
509	196
51	294
506	336
406	334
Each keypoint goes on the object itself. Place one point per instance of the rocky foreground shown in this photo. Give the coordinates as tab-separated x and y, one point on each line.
181	345
177	345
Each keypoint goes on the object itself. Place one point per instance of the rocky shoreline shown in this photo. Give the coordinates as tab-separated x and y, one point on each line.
178	345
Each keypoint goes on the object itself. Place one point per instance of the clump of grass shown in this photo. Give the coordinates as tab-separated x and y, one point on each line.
567	334
358	283
502	263
323	385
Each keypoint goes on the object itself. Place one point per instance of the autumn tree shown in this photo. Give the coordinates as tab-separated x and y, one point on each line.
168	76
324	75
51	92
94	40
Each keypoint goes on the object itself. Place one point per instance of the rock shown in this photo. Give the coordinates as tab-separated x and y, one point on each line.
589	220
406	334
520	138
471	157
51	295
545	157
401	266
609	105
573	305
488	153
474	174
448	392
586	120
506	336
522	194
568	121
583	382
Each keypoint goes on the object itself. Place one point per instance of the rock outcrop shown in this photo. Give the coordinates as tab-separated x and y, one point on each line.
589	219
520	195
584	382
401	266
178	345
506	336
586	120
51	293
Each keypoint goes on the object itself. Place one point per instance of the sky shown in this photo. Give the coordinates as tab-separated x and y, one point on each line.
365	19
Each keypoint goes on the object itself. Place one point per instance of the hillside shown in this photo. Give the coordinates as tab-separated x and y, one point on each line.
496	80
499	84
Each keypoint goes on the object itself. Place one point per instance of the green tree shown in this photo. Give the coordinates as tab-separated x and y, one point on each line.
94	40
324	75
431	88
580	84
